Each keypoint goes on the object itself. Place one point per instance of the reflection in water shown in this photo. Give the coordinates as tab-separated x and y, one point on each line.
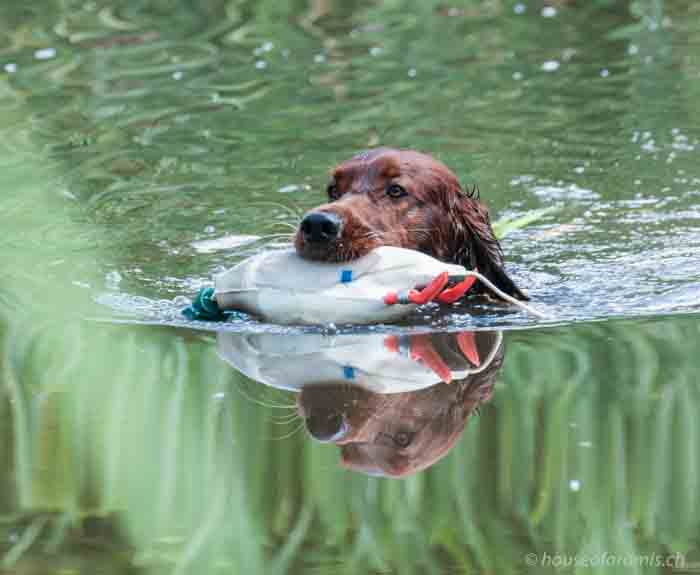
137	439
394	405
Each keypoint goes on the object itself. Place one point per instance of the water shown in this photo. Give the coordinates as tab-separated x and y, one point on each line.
147	145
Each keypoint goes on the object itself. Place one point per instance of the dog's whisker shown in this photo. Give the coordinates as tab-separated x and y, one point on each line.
288	224
263	403
274	236
285	419
372	234
294	431
261	240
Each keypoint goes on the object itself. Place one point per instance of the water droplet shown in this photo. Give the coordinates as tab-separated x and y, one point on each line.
177	75
375	51
261	64
579	169
549	12
10	68
604	73
45	53
575	485
265	47
517	76
519	8
412	73
649	146
209	230
550	66
632	49
319	58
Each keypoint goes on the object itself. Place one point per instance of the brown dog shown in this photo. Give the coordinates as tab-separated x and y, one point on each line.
403	198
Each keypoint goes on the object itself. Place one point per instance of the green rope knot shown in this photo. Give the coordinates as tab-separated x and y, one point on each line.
205	308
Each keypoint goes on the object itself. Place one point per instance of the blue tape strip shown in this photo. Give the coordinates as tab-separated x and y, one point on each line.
348	372
345	276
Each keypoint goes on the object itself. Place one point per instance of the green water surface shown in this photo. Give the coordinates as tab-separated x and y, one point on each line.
147	144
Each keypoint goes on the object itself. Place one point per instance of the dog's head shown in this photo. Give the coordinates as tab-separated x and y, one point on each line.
403	198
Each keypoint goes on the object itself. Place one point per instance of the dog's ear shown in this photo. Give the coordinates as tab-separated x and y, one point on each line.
481	249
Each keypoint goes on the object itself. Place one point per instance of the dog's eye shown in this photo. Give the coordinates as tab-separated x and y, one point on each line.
332	191
403	438
395	191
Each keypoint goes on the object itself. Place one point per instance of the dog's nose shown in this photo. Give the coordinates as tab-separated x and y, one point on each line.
321	227
326	425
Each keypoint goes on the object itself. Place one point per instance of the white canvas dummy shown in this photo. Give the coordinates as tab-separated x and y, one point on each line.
281	287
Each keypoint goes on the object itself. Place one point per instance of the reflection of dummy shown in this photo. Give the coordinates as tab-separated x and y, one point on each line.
382	399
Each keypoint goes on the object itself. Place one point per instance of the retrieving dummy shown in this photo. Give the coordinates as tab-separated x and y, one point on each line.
382	286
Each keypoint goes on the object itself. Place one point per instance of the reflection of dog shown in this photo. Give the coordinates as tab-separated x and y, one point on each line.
401	433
